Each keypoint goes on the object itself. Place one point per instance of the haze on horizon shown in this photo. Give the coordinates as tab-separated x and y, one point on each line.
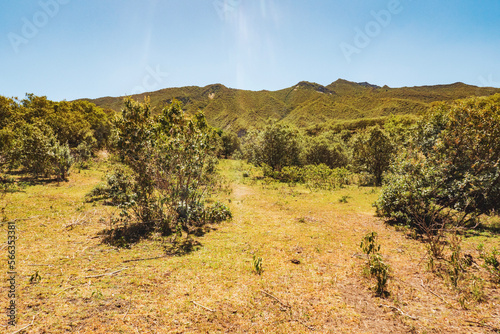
67	49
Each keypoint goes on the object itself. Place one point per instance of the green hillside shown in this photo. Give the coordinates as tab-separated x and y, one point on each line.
304	104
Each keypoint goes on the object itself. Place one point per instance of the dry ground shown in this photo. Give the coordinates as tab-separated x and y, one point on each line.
90	287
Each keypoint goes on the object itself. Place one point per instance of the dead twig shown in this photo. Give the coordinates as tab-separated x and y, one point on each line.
481	325
145	259
128	310
290	308
204	307
399	310
304	324
39	265
275	298
21	329
435	294
77	221
106	274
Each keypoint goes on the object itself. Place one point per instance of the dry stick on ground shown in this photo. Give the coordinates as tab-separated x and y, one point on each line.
482	325
78	221
399	310
20	330
435	294
106	274
204	307
126	313
147	258
275	298
289	307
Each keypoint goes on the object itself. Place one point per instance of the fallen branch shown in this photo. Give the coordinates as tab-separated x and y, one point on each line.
39	265
399	310
78	221
204	307
481	325
126	313
31	324
435	294
145	259
289	307
106	274
304	324
275	298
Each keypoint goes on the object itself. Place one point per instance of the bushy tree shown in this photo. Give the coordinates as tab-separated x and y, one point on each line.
230	143
321	150
450	173
172	159
277	145
371	152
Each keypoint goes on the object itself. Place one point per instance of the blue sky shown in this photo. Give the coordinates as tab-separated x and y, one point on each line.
69	49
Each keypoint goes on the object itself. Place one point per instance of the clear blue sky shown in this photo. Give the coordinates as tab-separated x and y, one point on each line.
69	49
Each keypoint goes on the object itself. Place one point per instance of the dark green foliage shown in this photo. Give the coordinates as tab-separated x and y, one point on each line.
116	191
277	145
41	136
230	143
320	150
450	171
372	152
218	212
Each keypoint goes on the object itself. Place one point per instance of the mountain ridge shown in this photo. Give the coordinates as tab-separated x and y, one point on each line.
303	104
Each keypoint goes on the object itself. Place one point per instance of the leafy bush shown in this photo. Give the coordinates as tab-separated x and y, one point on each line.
172	162
277	146
451	169
322	177
218	212
320	150
372	152
117	190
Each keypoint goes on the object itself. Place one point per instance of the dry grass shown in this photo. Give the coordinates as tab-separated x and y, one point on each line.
89	287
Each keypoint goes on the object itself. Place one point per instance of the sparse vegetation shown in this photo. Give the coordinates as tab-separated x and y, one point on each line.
122	244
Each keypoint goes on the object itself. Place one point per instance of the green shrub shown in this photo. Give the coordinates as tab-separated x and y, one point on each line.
451	167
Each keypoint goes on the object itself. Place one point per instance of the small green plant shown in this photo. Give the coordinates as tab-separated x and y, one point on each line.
344	199
257	265
97	294
477	290
35	278
377	267
491	263
456	269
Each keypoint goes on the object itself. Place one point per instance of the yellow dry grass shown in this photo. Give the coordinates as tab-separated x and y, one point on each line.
90	287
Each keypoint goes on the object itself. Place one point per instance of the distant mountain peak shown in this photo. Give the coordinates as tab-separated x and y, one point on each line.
367	84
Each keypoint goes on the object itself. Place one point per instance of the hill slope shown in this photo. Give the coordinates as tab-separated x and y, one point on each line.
304	104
